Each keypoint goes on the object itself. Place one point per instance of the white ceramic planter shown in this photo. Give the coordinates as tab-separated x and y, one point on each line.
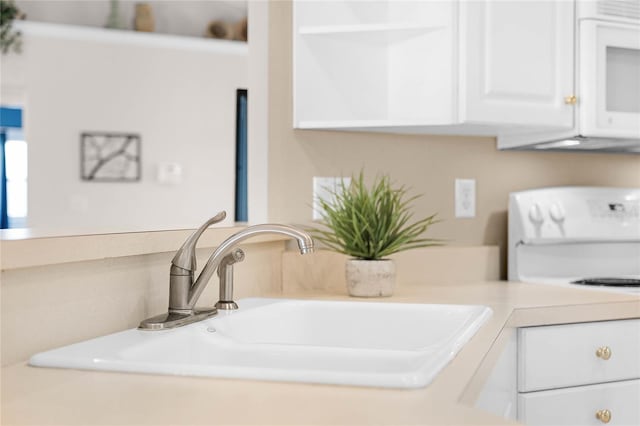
370	278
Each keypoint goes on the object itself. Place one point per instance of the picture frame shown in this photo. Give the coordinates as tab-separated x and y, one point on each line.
110	157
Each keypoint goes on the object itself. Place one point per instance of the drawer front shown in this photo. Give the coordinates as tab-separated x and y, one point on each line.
578	406
560	356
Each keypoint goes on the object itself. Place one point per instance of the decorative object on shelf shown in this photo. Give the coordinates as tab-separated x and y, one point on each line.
227	31
9	39
370	225
144	18
241	30
115	20
110	157
220	29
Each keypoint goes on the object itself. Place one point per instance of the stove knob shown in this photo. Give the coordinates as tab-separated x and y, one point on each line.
535	214
557	213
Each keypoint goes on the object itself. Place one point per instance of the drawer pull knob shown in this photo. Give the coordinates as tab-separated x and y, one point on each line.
570	100
603	352
603	415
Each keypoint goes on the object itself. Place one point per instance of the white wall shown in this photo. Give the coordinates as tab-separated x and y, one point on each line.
258	106
180	100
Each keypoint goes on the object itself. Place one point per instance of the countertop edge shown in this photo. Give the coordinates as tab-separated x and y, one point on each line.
41	251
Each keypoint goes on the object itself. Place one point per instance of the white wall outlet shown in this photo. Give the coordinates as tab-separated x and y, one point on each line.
323	188
465	198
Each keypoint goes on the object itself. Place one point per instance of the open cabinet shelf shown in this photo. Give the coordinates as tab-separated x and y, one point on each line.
358	65
376	33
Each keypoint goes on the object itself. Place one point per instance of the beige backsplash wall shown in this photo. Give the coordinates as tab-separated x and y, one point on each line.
428	164
47	306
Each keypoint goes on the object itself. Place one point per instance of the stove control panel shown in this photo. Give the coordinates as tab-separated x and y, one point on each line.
576	232
575	213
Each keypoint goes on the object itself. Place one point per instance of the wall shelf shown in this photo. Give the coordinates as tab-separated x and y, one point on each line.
106	35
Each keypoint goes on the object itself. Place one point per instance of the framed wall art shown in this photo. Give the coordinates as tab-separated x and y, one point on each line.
110	157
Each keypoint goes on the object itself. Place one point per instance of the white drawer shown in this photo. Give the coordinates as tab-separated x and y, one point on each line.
560	356
578	406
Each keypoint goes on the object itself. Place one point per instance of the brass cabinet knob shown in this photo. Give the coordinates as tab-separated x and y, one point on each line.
570	100
603	352
603	415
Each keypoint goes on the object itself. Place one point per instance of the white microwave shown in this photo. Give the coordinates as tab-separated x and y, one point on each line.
607	83
608	73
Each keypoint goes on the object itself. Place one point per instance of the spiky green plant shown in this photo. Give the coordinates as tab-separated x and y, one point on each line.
371	224
9	39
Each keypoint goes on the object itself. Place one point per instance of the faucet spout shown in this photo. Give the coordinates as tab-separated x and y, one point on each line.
304	240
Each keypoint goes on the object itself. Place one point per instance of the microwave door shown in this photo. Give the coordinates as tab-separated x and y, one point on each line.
609	80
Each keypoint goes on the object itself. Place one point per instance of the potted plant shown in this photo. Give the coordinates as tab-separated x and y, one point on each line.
370	225
9	38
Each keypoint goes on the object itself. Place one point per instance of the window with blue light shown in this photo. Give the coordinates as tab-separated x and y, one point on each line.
13	169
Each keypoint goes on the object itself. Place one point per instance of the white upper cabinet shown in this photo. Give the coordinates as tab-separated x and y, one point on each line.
517	59
476	67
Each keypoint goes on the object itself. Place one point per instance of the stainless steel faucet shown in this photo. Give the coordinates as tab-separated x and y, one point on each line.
184	292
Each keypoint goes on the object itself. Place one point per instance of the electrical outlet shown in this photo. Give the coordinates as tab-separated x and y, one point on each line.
323	188
465	198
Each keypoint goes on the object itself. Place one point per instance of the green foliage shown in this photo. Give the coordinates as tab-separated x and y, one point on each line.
8	38
371	224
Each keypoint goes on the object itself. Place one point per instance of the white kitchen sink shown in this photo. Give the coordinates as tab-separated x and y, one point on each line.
349	343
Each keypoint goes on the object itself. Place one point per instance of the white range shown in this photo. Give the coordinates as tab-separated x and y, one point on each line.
586	237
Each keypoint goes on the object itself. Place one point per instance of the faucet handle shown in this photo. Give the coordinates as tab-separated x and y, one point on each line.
185	257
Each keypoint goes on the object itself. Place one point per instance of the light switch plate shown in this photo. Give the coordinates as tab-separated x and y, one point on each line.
323	187
465	194
169	173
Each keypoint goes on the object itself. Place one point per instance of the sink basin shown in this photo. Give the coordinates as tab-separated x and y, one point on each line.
394	345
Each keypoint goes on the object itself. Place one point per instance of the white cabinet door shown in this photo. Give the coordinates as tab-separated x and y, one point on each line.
517	63
579	405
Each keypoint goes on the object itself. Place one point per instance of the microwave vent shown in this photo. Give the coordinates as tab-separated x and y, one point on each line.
629	9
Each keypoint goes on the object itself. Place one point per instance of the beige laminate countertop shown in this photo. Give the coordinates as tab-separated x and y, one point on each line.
39	396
